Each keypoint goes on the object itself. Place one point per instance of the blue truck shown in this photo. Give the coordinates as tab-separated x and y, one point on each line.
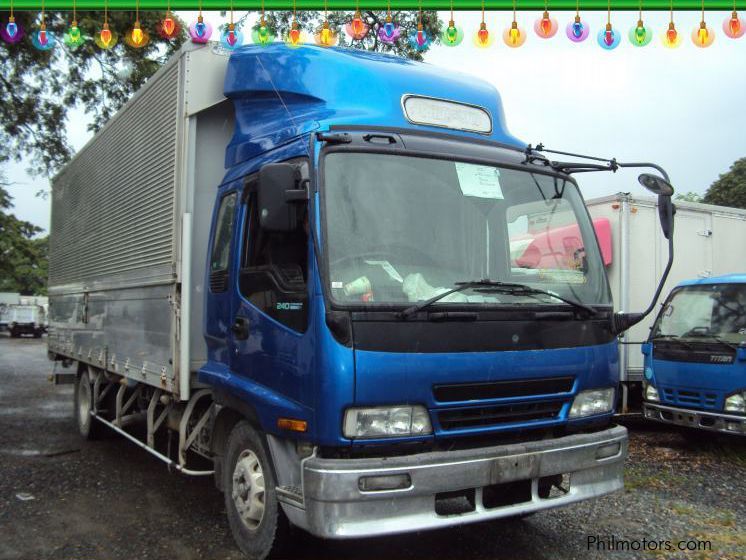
695	357
362	305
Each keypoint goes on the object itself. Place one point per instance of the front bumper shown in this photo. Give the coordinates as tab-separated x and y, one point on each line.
335	507
713	421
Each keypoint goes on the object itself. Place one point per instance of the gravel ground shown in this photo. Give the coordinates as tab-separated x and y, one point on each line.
111	500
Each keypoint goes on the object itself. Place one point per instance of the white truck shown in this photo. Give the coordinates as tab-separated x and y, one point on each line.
711	241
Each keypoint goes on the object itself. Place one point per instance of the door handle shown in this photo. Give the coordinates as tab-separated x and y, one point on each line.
240	328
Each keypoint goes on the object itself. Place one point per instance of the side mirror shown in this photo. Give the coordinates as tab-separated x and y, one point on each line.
277	189
664	190
620	322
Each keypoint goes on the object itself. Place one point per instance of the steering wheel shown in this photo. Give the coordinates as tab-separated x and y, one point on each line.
702	330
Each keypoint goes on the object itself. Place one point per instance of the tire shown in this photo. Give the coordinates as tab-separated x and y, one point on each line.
37	334
13	333
89	428
257	522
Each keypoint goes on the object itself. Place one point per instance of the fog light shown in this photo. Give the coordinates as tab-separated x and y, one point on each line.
651	393
736	403
608	450
733	426
384	482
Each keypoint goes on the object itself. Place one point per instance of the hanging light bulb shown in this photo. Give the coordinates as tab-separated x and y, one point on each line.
482	38
703	36
325	35
453	35
106	38
137	37
200	30
42	39
231	38
262	34
418	38
609	38
671	38
546	27
168	28
12	31
73	38
734	26
514	36
295	37
389	32
357	29
639	35
577	30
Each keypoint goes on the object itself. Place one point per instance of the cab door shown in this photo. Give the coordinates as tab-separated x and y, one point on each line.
218	311
270	339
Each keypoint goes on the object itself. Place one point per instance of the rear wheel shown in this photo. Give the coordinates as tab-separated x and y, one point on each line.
87	426
258	524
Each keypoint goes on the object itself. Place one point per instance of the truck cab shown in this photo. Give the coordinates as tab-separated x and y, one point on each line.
398	335
695	357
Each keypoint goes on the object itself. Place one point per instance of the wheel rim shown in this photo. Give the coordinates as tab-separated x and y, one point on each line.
248	489
84	401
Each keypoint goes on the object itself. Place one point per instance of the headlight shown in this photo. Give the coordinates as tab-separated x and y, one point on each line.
651	393
596	401
736	403
386	421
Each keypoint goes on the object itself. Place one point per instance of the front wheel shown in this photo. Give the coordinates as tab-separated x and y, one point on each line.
258	524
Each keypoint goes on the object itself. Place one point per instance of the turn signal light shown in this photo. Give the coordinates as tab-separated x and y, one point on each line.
292	424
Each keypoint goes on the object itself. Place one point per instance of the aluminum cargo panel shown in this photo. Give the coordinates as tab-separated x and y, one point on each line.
113	205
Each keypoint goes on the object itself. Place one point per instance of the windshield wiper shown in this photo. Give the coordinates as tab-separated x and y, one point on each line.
493	286
673	337
715	338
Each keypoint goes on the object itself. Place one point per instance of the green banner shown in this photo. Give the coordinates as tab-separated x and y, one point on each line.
348	5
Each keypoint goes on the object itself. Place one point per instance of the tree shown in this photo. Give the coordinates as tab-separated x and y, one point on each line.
730	188
23	257
689	197
279	23
37	88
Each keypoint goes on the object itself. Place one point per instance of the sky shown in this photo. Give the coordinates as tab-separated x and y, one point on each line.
681	108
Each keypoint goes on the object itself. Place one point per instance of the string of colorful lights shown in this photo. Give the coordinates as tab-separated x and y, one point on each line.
326	35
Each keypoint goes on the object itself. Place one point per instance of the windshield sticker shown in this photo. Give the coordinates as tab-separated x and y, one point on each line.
388	267
337	285
480	181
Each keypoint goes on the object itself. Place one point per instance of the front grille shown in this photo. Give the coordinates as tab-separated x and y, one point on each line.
455	419
687	397
502	389
694	352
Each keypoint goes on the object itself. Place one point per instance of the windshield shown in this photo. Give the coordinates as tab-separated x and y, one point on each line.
714	310
403	229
